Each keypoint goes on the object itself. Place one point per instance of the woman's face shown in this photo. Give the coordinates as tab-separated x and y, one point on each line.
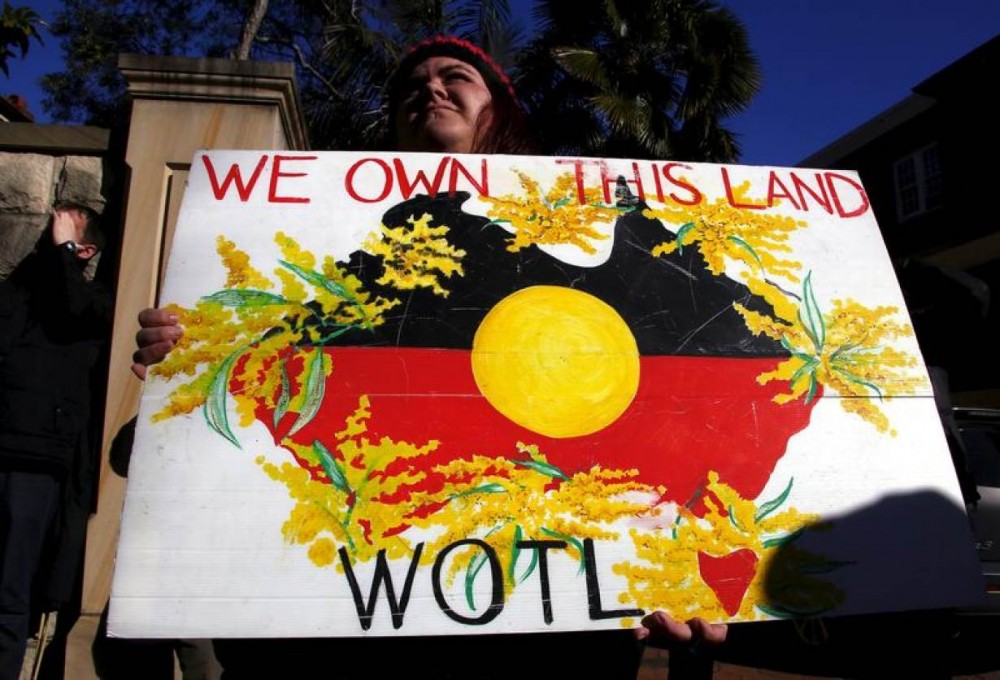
441	106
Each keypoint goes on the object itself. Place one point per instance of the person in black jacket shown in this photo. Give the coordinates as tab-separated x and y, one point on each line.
54	324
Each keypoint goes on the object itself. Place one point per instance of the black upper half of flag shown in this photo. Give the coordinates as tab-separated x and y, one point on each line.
672	303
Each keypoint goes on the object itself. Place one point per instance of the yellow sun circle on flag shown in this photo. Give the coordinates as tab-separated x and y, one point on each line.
556	361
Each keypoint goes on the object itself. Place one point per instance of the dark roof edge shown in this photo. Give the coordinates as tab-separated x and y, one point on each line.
895	115
923	97
82	140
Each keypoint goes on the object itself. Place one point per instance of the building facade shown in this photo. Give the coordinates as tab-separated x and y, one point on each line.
929	165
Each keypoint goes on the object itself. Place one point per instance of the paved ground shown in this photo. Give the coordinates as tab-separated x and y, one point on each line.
79	666
654	667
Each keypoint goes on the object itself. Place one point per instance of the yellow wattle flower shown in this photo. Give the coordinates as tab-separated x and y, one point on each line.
723	233
554	218
501	501
667	575
848	350
418	256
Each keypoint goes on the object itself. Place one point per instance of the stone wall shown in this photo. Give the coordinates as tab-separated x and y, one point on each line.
40	168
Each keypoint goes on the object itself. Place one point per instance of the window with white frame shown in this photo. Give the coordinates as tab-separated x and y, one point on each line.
919	182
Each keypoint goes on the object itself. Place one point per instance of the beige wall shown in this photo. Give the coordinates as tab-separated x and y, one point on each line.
179	106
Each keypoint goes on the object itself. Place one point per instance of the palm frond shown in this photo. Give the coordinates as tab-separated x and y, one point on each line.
483	22
658	75
582	63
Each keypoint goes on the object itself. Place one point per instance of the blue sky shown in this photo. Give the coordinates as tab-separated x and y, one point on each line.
831	65
828	65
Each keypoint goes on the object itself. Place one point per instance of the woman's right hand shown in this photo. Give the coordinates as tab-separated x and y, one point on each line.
158	334
659	629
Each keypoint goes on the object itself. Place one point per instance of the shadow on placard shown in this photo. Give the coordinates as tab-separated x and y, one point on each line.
924	637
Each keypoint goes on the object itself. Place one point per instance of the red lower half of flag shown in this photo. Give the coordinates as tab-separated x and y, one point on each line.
690	416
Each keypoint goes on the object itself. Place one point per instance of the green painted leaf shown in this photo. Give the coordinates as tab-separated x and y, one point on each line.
810	333
331	466
770	506
341	329
321	281
561	202
859	381
778	611
681	233
475	566
859	353
813	322
842	350
747	247
575	542
783	540
531	567
813	387
318	280
284	395
315	386
515	553
808	358
492	487
542	467
806	369
239	297
732	518
218	393
775	611
802	356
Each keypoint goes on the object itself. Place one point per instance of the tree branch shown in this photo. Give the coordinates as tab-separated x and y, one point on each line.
250	28
300	57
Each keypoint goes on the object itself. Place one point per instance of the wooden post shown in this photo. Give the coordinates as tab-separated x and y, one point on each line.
179	105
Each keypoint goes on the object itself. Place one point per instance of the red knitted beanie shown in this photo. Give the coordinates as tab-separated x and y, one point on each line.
448	46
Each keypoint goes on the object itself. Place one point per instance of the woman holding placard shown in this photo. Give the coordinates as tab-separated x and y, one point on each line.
446	96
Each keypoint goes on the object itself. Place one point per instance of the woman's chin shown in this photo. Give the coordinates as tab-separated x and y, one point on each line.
441	139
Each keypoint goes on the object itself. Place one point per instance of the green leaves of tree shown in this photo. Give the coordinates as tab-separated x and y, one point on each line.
93	33
598	77
650	79
18	25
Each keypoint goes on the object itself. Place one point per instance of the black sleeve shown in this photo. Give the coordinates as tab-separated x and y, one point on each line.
13	316
66	295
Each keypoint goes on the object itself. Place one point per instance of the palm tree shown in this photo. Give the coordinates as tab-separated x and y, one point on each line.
649	80
18	25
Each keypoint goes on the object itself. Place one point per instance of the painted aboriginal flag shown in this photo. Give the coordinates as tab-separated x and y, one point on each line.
430	394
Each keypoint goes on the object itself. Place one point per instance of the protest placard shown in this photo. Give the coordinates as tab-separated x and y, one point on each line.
428	394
